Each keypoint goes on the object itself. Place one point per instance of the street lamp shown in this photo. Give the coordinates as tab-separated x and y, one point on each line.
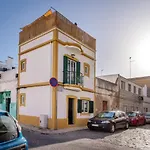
130	58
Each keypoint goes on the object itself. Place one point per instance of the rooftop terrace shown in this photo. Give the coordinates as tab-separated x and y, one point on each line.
54	19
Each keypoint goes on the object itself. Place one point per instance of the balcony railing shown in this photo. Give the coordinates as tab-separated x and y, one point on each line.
72	77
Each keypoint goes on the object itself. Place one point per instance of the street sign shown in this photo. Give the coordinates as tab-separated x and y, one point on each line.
53	82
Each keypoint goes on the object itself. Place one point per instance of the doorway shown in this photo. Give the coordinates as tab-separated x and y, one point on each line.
104	105
8	100
70	111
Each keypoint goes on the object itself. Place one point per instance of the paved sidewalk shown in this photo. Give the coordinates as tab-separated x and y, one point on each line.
49	131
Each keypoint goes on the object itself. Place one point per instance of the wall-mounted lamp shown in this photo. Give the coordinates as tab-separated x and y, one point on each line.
72	55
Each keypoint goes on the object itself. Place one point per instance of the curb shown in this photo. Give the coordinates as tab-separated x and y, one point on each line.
49	131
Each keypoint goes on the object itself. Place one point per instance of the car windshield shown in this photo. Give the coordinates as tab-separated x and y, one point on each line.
106	115
147	114
131	114
8	128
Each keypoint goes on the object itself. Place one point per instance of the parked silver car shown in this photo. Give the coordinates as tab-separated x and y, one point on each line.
147	117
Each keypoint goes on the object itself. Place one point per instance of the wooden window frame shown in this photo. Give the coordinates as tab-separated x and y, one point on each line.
23	61
22	94
87	73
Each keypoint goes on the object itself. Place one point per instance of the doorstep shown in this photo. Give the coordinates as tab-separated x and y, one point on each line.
31	128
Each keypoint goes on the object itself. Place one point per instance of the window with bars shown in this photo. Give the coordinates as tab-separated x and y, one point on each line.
85	106
71	71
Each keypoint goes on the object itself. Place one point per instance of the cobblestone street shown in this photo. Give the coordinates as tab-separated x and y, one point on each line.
136	138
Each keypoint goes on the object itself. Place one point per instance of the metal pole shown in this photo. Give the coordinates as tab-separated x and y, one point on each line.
130	66
101	71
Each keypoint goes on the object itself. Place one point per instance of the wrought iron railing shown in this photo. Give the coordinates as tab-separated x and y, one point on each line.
72	77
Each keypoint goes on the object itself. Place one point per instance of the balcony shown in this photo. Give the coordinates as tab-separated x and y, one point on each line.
73	80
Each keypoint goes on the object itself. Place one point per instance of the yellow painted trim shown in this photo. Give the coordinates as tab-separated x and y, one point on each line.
77	41
88	66
70	44
18	102
51	41
84	114
85	98
87	90
29	120
35	47
59	83
54	74
37	37
23	61
72	85
62	33
76	86
34	85
84	54
70	57
20	99
74	108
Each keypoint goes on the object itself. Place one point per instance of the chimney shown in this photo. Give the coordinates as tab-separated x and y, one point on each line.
9	63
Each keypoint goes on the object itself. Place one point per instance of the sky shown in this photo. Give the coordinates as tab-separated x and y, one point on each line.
121	29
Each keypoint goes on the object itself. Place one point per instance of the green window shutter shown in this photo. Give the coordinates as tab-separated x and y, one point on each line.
78	72
1	98
79	106
91	107
65	69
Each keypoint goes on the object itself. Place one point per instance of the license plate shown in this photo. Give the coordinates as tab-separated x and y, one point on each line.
95	125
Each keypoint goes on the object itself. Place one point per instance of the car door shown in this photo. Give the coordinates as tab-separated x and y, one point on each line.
118	120
123	119
140	118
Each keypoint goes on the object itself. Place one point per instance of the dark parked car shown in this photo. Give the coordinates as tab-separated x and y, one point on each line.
10	133
147	117
109	120
136	118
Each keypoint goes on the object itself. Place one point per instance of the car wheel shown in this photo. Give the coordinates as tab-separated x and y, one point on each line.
144	122
112	128
127	125
90	128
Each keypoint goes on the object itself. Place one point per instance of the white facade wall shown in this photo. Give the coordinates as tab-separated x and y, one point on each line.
62	50
38	69
37	41
38	101
38	65
8	82
62	102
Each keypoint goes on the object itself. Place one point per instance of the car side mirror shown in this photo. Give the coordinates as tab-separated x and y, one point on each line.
116	117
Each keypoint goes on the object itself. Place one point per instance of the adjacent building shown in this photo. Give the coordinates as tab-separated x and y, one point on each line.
52	46
8	86
107	95
117	92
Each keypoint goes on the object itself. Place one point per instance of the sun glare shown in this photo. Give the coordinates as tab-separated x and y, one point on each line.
143	53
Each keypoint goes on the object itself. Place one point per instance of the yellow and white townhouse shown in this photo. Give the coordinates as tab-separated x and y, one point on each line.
54	47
